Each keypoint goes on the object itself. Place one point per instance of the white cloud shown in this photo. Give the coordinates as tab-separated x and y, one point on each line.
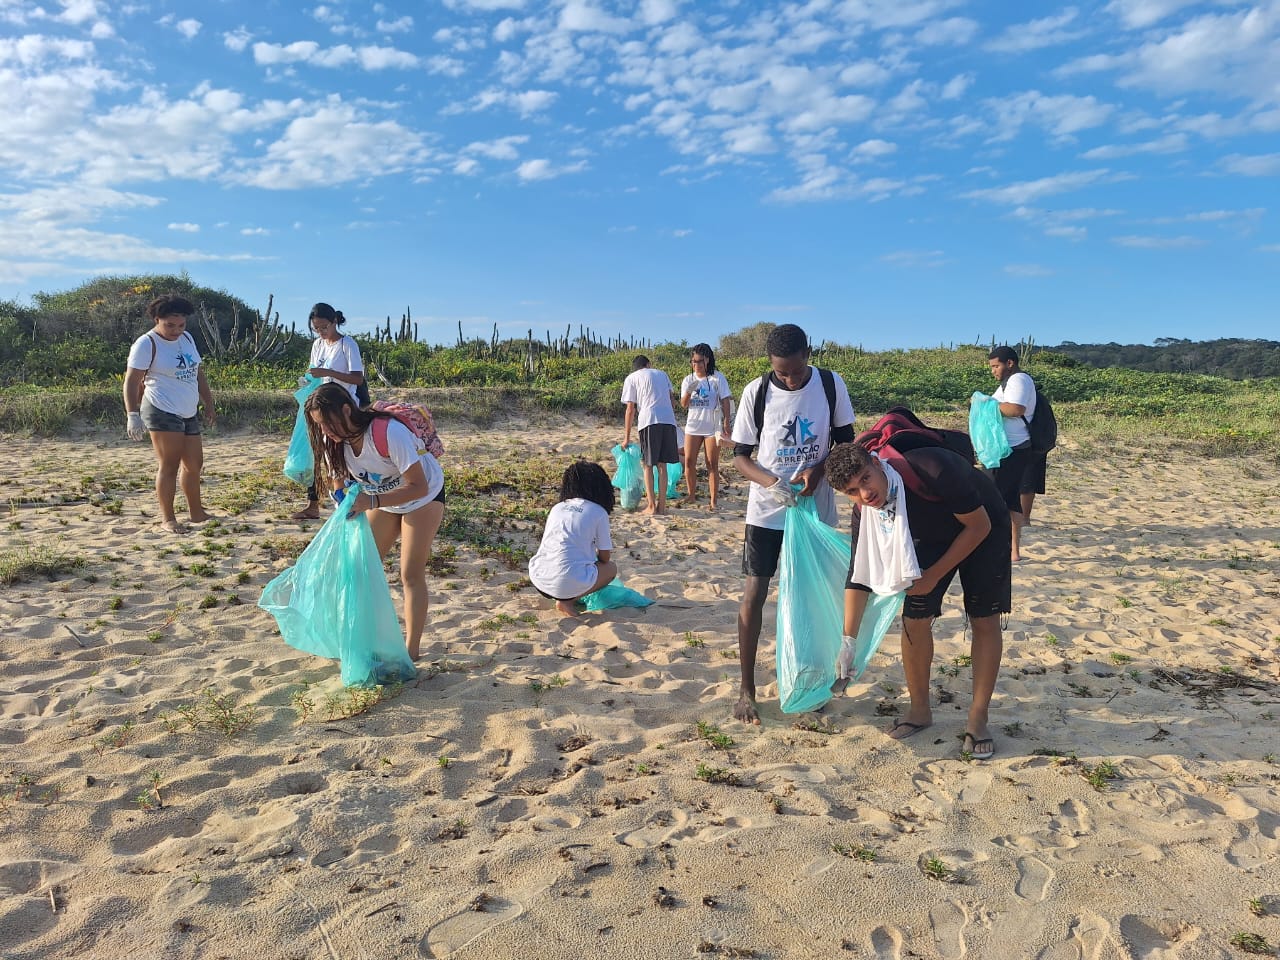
308	51
399	25
543	169
682	233
864	73
237	40
751	138
653	12
185	227
524	102
188	28
1027	191
1144	13
484	5
582	15
1035	34
1067	232
1258	165
886	14
255	232
873	150
1173	143
504	148
35	50
1062	115
956	87
955	31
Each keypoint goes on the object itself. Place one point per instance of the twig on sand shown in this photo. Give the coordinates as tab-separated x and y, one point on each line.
75	636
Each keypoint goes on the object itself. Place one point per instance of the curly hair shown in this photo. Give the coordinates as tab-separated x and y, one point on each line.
786	341
585	480
845	462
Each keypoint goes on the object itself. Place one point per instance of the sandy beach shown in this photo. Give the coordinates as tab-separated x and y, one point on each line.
179	783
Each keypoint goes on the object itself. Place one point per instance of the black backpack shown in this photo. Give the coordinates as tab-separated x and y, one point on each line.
1043	427
899	431
828	387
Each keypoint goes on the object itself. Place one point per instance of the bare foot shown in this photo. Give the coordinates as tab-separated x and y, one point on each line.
173	526
306	515
201	517
745	709
567	608
649	512
715	505
415	650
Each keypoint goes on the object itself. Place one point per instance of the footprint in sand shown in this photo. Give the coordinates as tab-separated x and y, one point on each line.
886	943
678	827
1087	935
1159	938
948	921
1034	878
453	933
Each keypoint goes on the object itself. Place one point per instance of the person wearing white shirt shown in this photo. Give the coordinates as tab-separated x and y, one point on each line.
705	394
335	358
805	411
164	390
1017	397
402	487
647	393
575	555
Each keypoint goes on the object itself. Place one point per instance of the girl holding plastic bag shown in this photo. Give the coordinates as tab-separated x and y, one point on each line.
335	358
574	557
401	486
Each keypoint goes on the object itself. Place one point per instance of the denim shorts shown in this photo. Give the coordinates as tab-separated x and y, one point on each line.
161	421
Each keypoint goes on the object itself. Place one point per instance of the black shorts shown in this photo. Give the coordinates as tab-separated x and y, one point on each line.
1033	476
761	548
1008	477
658	444
985	577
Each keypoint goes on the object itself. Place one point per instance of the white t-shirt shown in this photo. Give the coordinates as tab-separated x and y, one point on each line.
650	391
705	394
565	565
342	355
173	371
796	436
1021	389
378	474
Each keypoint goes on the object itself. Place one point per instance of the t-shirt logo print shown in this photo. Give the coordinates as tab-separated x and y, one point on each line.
373	479
798	425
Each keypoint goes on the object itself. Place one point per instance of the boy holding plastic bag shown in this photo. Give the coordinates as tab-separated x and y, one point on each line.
950	518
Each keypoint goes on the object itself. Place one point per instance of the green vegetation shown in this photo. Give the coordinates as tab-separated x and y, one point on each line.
27	563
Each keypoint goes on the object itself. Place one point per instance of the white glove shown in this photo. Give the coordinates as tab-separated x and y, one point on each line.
781	493
134	426
844	661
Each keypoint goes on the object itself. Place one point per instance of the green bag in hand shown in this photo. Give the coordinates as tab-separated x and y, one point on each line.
812	572
299	462
334	602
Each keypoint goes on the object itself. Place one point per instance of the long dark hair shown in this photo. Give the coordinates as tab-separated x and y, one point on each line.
704	350
584	480
329	401
323	311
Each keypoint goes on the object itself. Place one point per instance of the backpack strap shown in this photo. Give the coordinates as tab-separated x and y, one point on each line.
828	387
896	459
154	350
380	425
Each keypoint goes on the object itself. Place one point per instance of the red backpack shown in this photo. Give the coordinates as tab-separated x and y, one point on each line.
900	430
414	416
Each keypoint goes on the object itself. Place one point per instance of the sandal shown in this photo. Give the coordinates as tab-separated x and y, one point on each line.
977	749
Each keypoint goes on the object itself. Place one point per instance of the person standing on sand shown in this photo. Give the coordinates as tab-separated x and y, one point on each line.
574	556
1017	397
335	358
965	529
647	393
401	486
705	394
164	389
804	411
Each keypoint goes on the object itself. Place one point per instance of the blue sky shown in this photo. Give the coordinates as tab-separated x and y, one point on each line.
894	173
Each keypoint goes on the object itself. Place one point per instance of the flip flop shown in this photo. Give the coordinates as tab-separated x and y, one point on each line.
978	749
912	728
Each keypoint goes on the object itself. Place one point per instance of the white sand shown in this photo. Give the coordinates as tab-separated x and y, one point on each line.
564	817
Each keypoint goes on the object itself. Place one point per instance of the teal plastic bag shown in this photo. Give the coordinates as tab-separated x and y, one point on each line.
334	602
613	595
299	462
812	571
675	473
628	477
986	430
881	612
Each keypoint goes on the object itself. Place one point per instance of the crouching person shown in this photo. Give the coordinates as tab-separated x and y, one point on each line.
957	522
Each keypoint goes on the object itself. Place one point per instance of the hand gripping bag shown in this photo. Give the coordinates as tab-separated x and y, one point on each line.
299	462
628	478
811	578
334	602
986	429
